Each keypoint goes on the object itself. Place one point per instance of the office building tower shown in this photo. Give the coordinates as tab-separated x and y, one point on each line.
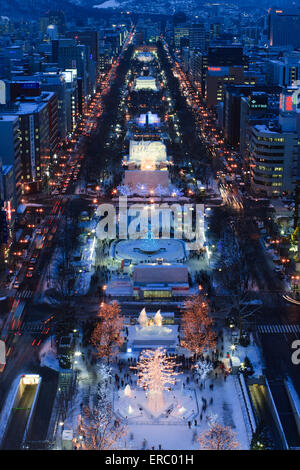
274	150
284	27
197	37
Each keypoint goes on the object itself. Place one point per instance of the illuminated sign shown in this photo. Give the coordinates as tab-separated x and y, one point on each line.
218	71
289	103
68	76
30	379
74	72
8	210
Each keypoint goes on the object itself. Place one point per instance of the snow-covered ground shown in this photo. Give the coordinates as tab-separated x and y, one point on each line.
47	355
173	430
108	4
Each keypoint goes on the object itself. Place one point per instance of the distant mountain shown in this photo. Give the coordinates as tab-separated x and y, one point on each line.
37	8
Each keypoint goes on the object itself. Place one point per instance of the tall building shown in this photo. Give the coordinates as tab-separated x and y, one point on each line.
284	27
197	36
7	209
70	55
214	28
38	136
57	18
217	78
103	61
10	157
198	68
226	55
181	35
261	101
274	151
89	38
258	106
284	71
226	65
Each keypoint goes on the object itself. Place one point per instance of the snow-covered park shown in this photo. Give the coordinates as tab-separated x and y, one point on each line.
171	410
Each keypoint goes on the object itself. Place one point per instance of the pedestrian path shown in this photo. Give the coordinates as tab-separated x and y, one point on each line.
270	329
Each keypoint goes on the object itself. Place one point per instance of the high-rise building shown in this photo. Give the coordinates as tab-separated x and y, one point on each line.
63	84
198	68
260	103
274	151
226	66
38	135
284	71
57	18
258	106
284	27
89	38
197	36
10	156
226	55
70	55
181	35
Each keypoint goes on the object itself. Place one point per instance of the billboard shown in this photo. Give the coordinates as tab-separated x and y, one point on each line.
73	71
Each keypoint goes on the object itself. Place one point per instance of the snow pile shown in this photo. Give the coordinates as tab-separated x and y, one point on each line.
47	356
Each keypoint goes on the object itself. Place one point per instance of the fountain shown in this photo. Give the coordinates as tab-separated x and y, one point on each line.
149	244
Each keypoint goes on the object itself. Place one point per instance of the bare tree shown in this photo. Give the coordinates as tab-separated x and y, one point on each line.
235	278
97	430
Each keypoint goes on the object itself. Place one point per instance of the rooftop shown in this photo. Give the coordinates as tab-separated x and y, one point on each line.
164	273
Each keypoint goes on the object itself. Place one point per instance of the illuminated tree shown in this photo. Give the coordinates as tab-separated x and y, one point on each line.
97	430
156	372
197	326
107	337
218	437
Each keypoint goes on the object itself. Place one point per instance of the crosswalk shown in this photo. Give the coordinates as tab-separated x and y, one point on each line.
24	294
32	327
270	329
